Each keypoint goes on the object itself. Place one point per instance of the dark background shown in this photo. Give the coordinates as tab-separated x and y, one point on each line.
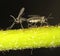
35	52
38	7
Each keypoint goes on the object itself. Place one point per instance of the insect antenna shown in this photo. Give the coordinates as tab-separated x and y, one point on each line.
49	15
13	17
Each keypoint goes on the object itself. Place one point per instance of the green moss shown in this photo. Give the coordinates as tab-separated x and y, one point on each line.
30	38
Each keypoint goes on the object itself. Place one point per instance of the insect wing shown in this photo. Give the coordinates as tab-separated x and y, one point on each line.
21	12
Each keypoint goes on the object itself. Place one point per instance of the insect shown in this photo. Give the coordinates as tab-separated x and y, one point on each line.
36	19
19	19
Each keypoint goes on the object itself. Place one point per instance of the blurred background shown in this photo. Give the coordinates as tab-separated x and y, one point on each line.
32	7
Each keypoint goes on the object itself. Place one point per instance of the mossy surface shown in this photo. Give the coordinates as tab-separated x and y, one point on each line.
30	38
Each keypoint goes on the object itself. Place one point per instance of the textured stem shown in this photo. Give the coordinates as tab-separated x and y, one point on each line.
30	38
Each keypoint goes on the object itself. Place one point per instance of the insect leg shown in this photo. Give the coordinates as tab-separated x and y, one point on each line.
11	26
35	25
41	23
29	24
46	23
21	25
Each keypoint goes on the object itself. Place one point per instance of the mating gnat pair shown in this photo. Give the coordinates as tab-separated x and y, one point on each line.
33	19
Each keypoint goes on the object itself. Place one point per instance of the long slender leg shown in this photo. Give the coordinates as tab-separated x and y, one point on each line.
11	26
35	25
21	25
29	24
41	23
46	23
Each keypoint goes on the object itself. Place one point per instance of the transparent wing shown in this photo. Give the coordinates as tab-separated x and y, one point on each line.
20	13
